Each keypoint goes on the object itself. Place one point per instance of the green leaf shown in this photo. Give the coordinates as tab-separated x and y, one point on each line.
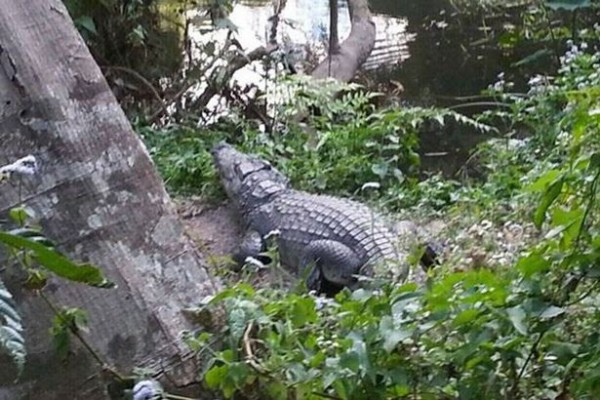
340	389
543	181
569	5
303	311
350	360
391	335
36	279
565	351
215	376
570	221
238	372
12	341
517	317
19	215
57	263
380	170
532	264
360	349
241	288
237	323
594	161
86	23
67	321
547	199
61	341
552	312
542	53
466	316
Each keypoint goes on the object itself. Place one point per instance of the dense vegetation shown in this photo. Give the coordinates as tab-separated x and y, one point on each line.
512	310
512	327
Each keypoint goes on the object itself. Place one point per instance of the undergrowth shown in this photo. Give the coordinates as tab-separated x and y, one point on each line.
521	327
349	144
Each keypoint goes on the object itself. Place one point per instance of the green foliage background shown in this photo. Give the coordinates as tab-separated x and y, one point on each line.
489	330
522	331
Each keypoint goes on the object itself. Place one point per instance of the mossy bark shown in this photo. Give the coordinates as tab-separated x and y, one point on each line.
100	198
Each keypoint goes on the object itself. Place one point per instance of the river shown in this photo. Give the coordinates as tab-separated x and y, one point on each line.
436	54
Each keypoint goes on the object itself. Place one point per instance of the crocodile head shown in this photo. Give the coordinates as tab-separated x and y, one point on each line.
248	180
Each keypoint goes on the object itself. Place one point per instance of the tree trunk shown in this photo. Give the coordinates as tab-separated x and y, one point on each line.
343	62
98	197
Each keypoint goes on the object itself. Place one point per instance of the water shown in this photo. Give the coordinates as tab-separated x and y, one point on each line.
305	23
422	47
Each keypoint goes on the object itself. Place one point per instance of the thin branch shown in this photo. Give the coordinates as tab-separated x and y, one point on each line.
187	86
140	78
75	333
334	40
479	104
515	387
219	78
250	358
326	396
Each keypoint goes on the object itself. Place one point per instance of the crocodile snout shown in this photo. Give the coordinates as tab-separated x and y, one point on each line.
219	147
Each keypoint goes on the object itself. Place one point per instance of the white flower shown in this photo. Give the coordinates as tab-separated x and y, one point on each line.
147	390
24	166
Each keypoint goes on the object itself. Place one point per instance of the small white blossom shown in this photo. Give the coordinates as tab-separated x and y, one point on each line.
147	390
24	166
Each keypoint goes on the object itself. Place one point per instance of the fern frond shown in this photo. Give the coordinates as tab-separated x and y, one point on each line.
12	341
471	122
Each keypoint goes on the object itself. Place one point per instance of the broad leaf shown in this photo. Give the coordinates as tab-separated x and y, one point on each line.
215	376
56	262
86	23
552	312
532	264
547	199
303	311
517	317
569	5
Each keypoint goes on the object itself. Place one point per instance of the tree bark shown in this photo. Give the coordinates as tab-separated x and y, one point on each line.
100	199
334	39
343	62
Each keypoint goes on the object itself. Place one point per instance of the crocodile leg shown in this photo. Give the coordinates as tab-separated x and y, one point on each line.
252	245
333	265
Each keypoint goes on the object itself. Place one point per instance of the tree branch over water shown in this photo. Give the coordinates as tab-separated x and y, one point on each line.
343	61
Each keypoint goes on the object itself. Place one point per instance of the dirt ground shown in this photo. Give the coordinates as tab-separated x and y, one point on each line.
213	227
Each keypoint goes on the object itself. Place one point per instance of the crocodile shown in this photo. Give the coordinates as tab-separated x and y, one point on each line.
331	241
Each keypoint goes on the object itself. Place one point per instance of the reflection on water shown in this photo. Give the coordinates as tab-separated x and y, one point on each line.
306	23
303	24
443	62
